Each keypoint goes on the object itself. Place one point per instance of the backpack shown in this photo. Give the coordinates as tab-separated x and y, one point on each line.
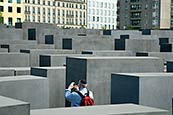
86	100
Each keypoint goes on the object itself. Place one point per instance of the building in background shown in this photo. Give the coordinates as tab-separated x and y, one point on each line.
63	13
143	14
12	11
101	14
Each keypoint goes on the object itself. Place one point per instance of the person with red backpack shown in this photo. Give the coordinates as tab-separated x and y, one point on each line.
79	95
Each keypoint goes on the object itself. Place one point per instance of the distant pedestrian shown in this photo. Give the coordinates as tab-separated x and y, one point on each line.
79	95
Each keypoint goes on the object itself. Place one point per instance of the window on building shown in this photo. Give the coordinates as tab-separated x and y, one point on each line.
58	12
10	9
2	20
58	4
18	19
43	2
10	21
93	18
49	3
97	19
1	8
18	10
48	19
10	1
18	1
33	10
38	1
44	12
1	0
38	18
33	18
44	19
63	4
28	1
48	11
38	10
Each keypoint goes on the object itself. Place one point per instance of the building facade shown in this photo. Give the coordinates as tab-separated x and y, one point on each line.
143	14
12	11
63	13
101	14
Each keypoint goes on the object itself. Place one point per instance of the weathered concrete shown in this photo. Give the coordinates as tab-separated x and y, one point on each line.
56	77
151	89
121	109
97	71
47	60
10	106
149	45
35	53
34	90
14	71
108	53
14	60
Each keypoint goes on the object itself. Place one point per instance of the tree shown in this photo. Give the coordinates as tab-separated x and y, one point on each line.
1	18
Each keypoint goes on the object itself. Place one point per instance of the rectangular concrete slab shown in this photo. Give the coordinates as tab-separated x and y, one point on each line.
108	53
9	106
14	60
56	77
14	71
47	60
121	109
150	45
97	71
35	53
150	89
32	89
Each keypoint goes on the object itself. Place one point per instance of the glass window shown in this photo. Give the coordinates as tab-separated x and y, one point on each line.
1	8
10	9
1	0
18	10
18	1
10	1
10	21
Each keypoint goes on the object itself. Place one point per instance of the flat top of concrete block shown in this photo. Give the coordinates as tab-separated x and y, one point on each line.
116	57
15	68
108	51
46	50
146	74
53	67
99	110
18	78
5	101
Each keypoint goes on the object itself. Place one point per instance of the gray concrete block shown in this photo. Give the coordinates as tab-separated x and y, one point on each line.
14	71
166	56
97	71
150	89
34	90
47	60
14	60
121	109
56	77
149	45
3	50
108	53
9	106
35	53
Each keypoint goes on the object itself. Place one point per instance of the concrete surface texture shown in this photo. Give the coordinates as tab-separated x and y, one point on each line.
34	90
108	53
56	77
121	109
150	89
97	71
14	60
35	53
9	106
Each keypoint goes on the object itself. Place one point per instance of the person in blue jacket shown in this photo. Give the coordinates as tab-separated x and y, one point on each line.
71	93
